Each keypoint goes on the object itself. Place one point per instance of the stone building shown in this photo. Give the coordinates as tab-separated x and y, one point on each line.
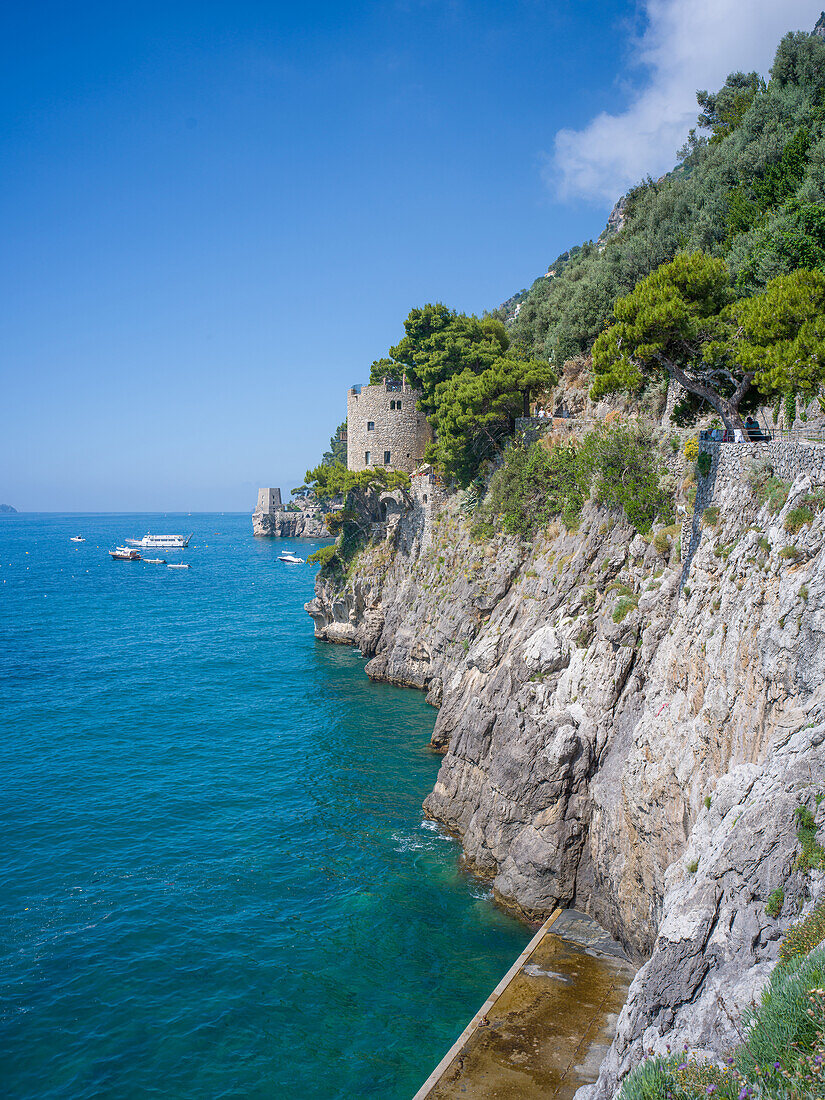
384	428
269	501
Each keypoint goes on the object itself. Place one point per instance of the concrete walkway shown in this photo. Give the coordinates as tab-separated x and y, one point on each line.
545	1029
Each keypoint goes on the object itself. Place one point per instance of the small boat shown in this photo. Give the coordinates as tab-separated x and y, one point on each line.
291	559
178	565
124	553
77	538
155	561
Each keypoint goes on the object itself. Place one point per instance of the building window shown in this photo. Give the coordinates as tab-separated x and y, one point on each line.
398	404
386	458
366	458
425	498
392	404
370	425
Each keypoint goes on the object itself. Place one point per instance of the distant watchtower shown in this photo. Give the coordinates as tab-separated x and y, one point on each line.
269	501
384	428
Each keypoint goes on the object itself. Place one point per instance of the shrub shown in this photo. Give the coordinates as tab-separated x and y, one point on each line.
797	518
327	558
704	463
779	1060
812	854
805	935
776	899
789	553
707	801
537	483
661	543
691	450
623	608
764	544
710	516
693	866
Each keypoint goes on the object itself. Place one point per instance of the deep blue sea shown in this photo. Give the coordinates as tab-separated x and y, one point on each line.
216	879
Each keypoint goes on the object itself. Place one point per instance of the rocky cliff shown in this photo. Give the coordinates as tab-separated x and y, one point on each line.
614	739
285	524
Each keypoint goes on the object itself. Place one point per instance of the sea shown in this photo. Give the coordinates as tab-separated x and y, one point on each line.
217	880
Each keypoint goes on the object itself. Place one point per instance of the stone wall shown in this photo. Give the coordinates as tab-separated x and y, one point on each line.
398	427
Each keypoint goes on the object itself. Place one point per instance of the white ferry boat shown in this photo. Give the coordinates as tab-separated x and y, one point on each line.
161	542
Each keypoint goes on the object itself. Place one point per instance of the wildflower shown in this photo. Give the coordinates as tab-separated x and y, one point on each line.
777	1065
710	1090
683	1065
744	1093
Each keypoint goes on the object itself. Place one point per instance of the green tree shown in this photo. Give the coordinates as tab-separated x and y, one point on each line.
337	452
780	340
473	383
723	111
681	321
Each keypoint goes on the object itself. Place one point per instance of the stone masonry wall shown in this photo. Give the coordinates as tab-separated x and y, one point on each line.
403	431
730	467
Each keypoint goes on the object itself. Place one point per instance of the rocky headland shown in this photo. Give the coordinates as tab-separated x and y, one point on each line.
622	731
288	524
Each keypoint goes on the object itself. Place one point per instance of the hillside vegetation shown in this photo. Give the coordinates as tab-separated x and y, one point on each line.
750	190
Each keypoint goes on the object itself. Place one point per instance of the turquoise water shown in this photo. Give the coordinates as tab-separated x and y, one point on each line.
216	877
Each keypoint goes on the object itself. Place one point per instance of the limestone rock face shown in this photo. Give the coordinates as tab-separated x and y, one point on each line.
292	525
616	741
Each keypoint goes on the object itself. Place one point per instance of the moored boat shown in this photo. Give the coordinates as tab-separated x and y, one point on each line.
178	565
77	538
290	559
154	561
124	553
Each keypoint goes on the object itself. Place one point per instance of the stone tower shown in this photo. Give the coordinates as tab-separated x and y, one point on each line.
384	428
269	501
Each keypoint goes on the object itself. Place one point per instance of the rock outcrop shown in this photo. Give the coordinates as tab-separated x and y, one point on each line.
615	740
286	524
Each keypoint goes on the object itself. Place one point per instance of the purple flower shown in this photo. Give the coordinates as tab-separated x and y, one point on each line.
710	1090
683	1065
744	1092
777	1065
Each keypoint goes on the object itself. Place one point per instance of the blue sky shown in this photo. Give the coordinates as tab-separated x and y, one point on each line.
216	215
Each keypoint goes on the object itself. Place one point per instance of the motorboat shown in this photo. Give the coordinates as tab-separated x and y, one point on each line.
178	565
155	561
77	538
124	553
290	559
161	542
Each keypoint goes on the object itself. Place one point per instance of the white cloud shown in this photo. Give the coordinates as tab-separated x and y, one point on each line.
688	44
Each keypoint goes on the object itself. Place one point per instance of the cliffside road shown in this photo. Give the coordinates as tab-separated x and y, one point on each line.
550	1024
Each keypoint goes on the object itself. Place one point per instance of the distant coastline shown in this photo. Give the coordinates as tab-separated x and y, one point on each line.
7	510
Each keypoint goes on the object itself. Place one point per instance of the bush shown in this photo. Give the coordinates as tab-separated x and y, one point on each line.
704	463
710	516
691	450
538	483
812	854
789	553
661	543
804	936
776	899
779	1060
623	608
797	518
764	544
327	558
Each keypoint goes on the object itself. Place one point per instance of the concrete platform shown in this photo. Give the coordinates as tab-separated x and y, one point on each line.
545	1029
